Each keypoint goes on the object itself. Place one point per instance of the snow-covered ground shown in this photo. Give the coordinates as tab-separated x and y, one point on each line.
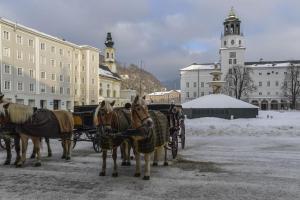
224	159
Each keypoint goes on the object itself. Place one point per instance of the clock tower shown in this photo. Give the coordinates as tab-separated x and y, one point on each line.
109	54
233	48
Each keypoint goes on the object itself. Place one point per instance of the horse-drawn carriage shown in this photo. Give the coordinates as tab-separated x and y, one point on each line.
175	116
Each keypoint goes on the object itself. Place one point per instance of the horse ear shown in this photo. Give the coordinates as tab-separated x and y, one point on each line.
144	97
136	99
102	103
6	105
113	103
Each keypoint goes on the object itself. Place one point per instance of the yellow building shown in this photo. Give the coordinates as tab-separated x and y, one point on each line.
172	96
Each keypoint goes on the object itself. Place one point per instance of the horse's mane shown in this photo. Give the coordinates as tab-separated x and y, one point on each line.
19	113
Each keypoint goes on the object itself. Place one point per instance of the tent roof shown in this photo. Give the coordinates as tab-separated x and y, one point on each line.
217	101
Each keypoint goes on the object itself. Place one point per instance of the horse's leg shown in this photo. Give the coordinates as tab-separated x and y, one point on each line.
33	153
63	142
166	155
147	166
127	153
155	158
137	162
104	154
69	147
36	145
48	146
123	153
8	151
114	155
17	148
24	140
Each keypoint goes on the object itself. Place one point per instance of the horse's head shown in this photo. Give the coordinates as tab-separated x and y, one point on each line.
103	116
4	116
139	113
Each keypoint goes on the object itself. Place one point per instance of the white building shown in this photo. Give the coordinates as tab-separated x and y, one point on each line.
40	70
268	76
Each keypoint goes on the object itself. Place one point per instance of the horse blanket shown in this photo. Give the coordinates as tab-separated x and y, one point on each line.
158	135
65	120
43	123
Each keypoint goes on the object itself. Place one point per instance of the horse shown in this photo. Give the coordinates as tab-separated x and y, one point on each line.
35	124
152	138
111	122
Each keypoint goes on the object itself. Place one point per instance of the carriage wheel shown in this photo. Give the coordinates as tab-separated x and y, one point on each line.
182	135
174	144
96	145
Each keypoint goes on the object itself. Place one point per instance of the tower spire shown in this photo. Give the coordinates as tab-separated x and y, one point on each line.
232	13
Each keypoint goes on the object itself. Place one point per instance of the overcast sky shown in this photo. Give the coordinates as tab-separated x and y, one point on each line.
165	34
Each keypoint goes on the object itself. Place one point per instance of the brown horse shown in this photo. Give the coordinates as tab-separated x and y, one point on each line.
37	124
152	138
111	122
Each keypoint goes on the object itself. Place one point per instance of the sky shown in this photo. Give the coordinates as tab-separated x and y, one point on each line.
165	35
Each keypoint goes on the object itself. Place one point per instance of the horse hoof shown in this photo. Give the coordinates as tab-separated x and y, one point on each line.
49	154
154	164
115	174
68	158
32	156
146	178
123	164
7	162
166	164
137	174
38	164
63	157
102	174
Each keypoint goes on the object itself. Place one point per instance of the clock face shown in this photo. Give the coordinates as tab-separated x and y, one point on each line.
232	42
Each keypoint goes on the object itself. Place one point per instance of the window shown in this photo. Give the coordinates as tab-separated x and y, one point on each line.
31	87
53	77
268	73
31	73
232	42
187	95
82	68
61	52
52	62
101	92
53	89
68	90
69	53
232	54
75	91
260	84
268	83
108	93
225	43
20	71
75	79
93	57
230	61
107	55
19	55
276	73
53	49
7	69
19	39
61	90
43	46
234	61
268	93
7	85
260	73
6	35
202	84
277	83
30	42
43	88
195	94
187	84
240	42
68	79
260	93
20	86
114	93
69	66
82	80
285	73
6	51
82	56
195	84
43	75
61	77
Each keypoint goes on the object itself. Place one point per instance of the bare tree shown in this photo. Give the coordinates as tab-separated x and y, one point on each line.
239	82
291	85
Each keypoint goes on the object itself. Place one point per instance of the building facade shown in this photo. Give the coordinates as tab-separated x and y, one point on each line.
45	71
172	96
268	76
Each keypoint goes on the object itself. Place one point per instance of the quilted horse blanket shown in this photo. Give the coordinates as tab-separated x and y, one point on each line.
158	135
43	123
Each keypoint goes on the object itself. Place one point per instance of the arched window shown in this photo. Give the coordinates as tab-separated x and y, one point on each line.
107	55
112	55
108	93
101	92
114	93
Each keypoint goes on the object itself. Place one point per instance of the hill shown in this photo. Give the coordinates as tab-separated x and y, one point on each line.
138	79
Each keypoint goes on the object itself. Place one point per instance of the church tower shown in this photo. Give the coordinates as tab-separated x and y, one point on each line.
109	54
232	49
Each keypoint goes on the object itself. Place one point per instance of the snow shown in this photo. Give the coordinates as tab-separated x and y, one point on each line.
217	101
106	73
198	67
223	159
285	64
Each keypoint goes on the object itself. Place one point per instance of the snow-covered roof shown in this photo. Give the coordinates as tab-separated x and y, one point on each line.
104	71
267	64
198	66
162	93
217	101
